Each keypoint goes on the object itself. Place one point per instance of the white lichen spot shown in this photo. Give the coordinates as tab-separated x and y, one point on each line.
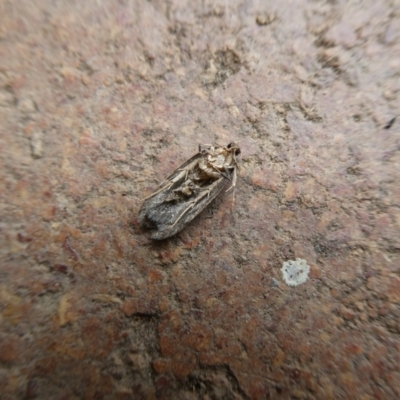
295	272
37	144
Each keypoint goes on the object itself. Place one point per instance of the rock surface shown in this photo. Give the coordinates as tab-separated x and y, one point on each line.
100	101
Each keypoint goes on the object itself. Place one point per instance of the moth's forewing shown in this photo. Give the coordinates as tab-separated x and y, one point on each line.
154	201
185	165
168	227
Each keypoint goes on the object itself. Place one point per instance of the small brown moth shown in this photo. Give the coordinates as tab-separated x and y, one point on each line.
189	189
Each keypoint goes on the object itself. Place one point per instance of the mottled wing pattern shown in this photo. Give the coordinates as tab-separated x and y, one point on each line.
161	215
167	217
164	215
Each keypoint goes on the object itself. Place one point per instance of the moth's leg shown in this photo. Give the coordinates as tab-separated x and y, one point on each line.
182	174
234	179
207	148
170	183
233	186
209	189
225	175
209	168
184	212
205	192
220	173
186	173
216	169
227	172
235	162
187	169
166	187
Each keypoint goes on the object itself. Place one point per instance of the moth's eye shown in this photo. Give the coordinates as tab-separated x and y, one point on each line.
237	152
229	145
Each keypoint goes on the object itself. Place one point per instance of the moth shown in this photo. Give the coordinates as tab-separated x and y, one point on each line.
189	189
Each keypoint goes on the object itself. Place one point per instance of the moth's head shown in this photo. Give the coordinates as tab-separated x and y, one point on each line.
234	147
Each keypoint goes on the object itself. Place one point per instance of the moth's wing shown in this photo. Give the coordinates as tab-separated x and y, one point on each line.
152	203
164	216
189	164
167	217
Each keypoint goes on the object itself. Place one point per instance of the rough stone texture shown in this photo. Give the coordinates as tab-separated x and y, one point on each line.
100	101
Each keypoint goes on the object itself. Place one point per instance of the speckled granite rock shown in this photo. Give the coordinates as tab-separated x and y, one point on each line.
100	101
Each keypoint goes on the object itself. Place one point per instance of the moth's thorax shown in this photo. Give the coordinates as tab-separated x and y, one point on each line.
219	158
219	161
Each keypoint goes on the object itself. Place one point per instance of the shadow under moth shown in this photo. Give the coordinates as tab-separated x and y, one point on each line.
189	189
